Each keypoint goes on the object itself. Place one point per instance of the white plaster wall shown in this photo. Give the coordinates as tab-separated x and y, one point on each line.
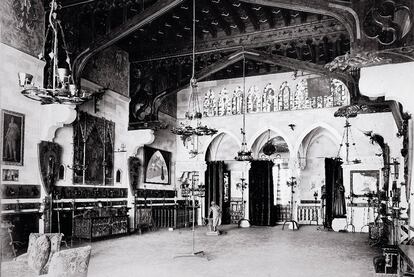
305	121
115	107
163	140
394	81
40	120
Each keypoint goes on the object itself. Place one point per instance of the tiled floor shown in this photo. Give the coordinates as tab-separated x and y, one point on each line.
256	251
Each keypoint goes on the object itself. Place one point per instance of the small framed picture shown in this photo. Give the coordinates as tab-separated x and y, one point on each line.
12	126
10	175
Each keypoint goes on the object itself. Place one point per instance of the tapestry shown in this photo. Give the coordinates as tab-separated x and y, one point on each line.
93	161
110	69
25	25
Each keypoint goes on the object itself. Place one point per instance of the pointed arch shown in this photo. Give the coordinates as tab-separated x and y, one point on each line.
231	142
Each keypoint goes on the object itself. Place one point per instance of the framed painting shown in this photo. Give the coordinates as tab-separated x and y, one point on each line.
12	126
364	182
157	166
10	175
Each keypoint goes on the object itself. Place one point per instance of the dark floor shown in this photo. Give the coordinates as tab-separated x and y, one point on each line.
256	251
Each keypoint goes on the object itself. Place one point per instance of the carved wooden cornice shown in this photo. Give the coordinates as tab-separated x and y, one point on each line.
314	31
355	61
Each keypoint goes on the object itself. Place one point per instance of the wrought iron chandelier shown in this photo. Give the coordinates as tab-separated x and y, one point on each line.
348	141
192	127
244	154
60	88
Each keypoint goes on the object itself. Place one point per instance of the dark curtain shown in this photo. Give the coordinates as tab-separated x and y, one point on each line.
214	185
261	211
334	191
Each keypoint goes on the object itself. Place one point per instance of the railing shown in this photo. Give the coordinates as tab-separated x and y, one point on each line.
169	216
282	213
308	214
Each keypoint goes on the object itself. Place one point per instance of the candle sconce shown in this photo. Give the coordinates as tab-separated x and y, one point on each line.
122	149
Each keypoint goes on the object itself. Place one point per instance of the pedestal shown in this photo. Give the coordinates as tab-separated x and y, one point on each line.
210	231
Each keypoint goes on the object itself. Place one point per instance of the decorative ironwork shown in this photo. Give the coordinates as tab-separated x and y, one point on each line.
244	154
60	88
348	141
193	128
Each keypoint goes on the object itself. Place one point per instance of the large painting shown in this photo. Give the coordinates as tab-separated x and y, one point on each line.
12	137
157	166
364	182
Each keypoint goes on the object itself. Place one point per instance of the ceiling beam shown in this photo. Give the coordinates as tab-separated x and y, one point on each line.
203	23
269	17
151	13
252	16
295	64
216	14
234	15
342	12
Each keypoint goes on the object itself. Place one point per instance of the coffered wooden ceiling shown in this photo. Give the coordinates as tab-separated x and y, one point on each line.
222	26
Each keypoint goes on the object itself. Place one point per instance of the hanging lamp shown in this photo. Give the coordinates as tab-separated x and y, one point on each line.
348	141
192	127
244	154
60	88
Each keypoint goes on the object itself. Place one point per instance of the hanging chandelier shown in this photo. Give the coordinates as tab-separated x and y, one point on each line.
192	126
348	141
60	88
244	154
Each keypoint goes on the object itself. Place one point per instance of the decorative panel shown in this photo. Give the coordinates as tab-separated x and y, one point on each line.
269	99
150	193
93	150
20	191
88	192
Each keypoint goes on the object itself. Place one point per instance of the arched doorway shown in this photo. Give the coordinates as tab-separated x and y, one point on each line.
219	156
272	149
316	147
